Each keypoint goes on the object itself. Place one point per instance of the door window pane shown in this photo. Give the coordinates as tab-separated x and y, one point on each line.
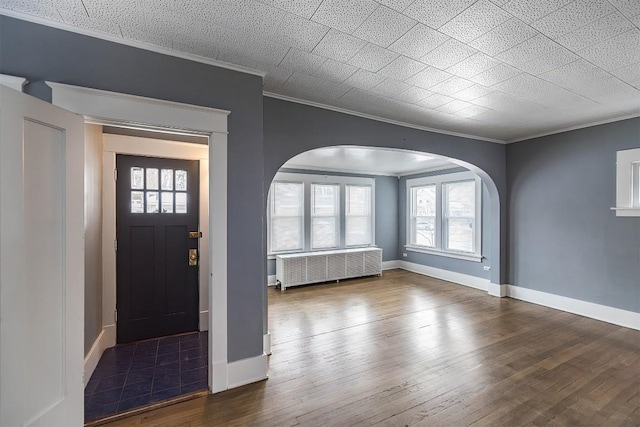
167	202
167	179
152	179
181	202
137	202
181	180
152	202
137	178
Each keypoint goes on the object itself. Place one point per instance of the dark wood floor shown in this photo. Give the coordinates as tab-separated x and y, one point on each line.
408	350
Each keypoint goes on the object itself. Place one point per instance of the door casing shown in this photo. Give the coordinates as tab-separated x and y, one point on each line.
103	107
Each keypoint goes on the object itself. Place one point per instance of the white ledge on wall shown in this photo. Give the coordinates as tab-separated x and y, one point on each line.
466	257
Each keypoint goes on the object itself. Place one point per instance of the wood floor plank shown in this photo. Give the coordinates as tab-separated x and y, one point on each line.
410	350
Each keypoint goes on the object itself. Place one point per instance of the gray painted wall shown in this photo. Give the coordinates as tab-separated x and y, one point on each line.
42	53
563	237
386	213
452	264
290	129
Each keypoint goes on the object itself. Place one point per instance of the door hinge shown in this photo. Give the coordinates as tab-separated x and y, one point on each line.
115	174
115	245
115	315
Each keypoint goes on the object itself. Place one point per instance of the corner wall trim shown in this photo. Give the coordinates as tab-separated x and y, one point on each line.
449	276
266	343
390	265
204	321
616	316
247	371
104	341
498	290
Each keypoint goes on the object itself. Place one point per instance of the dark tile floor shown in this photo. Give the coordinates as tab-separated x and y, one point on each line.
132	375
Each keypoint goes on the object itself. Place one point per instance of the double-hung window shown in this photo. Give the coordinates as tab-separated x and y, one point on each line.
286	211
310	212
444	216
358	224
325	218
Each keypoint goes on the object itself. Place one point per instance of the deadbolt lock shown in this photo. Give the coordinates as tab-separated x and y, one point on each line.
193	257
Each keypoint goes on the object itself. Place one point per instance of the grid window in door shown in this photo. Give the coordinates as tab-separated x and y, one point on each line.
158	190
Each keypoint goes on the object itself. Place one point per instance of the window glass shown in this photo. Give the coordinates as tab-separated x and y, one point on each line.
152	179
286	230
181	180
137	178
167	179
423	220
181	202
152	202
167	202
137	202
358	215
324	216
460	209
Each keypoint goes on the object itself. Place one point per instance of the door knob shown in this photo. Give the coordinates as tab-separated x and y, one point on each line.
193	257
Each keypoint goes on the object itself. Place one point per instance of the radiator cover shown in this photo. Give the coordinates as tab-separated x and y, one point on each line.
315	267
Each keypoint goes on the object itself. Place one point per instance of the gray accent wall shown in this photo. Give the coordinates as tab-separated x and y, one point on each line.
563	237
386	212
446	263
291	129
42	53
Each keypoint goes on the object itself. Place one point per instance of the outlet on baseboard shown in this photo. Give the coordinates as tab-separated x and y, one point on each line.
486	268
404	254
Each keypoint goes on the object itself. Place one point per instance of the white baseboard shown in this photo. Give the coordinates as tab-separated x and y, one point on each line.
498	290
106	339
204	321
247	371
266	343
449	276
390	265
616	316
271	280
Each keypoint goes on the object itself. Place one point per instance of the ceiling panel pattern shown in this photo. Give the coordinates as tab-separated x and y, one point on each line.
497	69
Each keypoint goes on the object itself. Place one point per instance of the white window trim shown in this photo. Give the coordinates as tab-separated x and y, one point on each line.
307	180
627	171
439	250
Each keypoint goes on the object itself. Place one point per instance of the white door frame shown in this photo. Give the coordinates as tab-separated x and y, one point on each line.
135	111
113	145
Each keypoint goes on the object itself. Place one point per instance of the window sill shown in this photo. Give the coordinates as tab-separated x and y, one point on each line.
626	211
456	255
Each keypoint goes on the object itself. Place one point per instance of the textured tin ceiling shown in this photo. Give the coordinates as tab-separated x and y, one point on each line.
497	69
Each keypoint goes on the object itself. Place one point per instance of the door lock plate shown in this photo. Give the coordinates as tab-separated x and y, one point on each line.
193	257
195	234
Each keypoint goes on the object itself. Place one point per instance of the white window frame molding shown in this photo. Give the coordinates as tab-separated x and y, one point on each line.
307	180
627	183
439	181
103	107
14	82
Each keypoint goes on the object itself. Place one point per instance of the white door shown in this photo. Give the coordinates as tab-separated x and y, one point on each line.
41	263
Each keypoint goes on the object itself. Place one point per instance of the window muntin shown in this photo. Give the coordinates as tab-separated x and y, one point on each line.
151	200
443	215
358	220
325	220
286	216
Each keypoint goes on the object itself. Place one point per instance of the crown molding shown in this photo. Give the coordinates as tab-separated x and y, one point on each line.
128	42
377	118
586	125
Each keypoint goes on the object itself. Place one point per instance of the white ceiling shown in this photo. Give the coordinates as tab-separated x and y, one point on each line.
496	69
378	161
